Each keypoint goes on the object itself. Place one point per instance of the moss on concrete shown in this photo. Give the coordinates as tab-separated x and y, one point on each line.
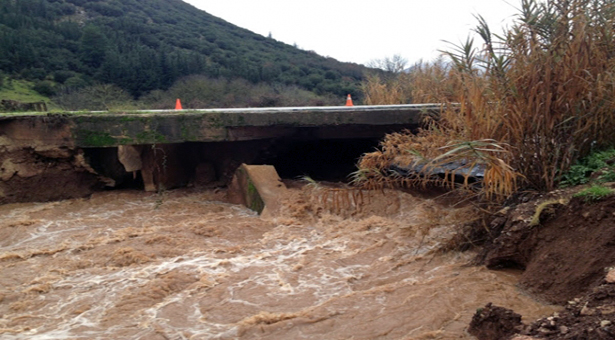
150	137
255	202
215	121
87	138
95	138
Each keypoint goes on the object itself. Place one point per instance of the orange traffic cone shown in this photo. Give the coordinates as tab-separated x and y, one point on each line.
349	101
178	105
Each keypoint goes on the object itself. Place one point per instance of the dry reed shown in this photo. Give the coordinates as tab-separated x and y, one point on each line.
542	94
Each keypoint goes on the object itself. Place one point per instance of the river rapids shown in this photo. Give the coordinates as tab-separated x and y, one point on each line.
184	264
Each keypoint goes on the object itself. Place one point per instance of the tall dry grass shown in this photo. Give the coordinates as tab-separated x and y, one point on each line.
425	83
390	86
542	93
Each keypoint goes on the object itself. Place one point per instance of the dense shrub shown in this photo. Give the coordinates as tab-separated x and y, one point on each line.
198	92
96	97
45	87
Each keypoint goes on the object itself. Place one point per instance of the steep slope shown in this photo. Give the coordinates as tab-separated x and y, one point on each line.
143	45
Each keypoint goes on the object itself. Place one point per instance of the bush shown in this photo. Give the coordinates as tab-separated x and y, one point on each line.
581	173
97	97
75	83
199	92
61	76
34	74
45	87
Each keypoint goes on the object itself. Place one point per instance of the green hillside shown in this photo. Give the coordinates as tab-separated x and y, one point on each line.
145	45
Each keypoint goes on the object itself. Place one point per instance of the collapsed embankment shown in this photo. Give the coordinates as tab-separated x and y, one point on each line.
40	173
568	259
45	174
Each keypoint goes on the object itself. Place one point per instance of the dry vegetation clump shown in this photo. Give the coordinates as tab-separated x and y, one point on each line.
390	87
526	104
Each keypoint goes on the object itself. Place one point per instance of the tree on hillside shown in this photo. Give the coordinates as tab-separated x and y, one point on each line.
92	46
395	64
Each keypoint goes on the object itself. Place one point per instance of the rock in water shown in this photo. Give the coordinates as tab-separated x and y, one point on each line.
493	322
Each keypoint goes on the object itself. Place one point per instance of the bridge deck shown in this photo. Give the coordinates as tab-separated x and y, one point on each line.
105	129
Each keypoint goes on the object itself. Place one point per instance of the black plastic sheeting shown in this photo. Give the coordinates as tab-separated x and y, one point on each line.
461	170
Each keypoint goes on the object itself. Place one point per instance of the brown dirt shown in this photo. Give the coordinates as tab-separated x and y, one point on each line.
564	256
493	322
589	317
566	260
39	175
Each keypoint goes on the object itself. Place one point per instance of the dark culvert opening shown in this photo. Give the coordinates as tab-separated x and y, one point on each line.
195	163
322	160
105	162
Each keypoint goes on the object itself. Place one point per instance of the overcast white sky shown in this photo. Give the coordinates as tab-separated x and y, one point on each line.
363	30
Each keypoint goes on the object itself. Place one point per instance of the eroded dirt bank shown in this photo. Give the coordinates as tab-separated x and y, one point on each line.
41	173
186	265
569	259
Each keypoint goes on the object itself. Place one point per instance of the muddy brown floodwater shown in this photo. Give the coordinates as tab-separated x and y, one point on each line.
186	265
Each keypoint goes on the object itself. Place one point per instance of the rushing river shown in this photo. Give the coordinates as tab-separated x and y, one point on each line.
185	265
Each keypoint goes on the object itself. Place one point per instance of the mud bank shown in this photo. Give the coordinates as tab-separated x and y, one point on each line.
568	260
183	264
45	174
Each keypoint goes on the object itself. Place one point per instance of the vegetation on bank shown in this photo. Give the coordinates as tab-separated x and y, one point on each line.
19	90
527	104
70	49
198	92
598	167
595	193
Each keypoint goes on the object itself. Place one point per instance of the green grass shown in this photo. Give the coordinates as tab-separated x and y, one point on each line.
21	90
594	193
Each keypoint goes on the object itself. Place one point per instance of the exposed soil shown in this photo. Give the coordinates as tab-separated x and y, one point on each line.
589	317
493	322
566	260
566	255
39	174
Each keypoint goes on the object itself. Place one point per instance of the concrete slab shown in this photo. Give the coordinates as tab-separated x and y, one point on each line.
258	187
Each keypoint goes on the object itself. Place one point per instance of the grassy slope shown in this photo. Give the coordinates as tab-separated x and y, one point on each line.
21	90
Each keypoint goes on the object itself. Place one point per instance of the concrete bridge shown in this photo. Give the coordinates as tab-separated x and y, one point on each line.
107	129
170	148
